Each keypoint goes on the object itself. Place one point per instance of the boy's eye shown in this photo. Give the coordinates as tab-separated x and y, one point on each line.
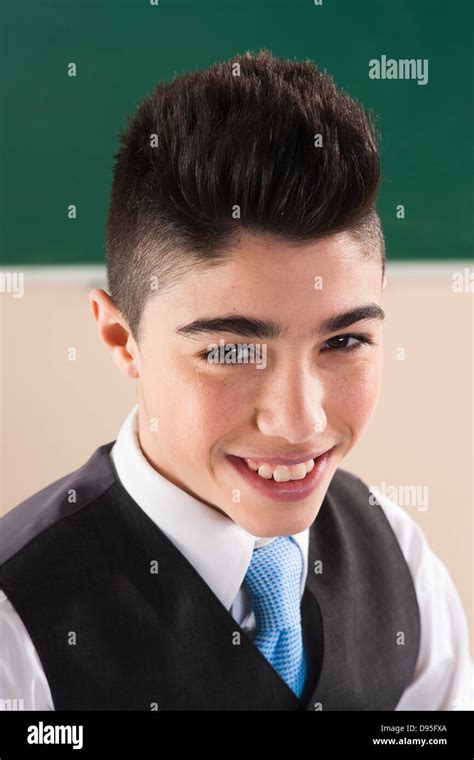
235	353
343	342
239	353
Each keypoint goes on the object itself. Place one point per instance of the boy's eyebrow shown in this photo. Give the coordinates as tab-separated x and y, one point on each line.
258	328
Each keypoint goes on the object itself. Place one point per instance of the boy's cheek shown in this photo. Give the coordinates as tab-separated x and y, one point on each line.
355	410
218	400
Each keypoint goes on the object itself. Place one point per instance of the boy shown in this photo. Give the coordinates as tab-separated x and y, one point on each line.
216	556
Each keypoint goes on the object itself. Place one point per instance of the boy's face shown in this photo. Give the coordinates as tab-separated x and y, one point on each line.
307	397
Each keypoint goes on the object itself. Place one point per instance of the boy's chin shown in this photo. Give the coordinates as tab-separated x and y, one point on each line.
279	519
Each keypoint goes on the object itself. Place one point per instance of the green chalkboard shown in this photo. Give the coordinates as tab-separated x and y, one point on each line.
58	133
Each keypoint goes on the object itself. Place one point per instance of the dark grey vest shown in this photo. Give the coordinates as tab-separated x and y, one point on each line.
75	562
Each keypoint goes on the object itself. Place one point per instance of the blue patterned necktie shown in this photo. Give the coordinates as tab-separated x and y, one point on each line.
273	582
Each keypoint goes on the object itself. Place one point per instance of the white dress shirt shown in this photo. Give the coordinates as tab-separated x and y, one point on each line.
220	551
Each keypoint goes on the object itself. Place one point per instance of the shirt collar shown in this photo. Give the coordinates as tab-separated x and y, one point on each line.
218	549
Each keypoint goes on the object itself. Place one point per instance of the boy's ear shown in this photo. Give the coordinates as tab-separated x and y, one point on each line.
114	332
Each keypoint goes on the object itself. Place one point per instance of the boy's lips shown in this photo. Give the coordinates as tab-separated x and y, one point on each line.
290	490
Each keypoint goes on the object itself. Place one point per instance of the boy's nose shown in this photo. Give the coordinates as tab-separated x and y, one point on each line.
293	409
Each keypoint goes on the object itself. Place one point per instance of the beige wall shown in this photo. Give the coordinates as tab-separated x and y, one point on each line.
55	412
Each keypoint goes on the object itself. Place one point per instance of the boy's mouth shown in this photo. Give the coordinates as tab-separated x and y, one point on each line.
291	481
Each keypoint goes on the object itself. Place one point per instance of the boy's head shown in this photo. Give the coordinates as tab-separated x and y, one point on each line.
242	212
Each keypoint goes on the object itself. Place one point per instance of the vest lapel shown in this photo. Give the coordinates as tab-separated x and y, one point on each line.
366	598
204	659
237	676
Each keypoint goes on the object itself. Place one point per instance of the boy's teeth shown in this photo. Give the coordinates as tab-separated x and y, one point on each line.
265	471
297	471
281	473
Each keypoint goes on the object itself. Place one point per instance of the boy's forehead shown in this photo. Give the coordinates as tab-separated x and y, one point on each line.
261	269
296	287
269	264
259	250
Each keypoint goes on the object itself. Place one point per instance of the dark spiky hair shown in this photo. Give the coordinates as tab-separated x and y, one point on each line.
234	148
